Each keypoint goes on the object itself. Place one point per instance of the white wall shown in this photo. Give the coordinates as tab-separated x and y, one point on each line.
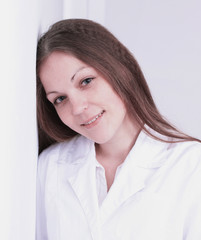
20	23
165	38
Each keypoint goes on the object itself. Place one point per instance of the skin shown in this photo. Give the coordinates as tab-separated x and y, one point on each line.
86	102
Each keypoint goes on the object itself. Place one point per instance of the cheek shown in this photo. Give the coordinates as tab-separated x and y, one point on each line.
68	120
116	101
118	108
64	115
111	96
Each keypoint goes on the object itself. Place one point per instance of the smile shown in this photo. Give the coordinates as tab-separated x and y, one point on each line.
93	120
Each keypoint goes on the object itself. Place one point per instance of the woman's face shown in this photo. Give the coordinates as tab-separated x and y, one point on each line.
83	99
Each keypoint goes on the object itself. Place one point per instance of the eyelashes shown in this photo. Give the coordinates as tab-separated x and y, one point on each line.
83	83
86	81
59	100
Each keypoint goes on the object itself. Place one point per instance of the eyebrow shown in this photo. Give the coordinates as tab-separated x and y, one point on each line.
51	93
72	78
77	72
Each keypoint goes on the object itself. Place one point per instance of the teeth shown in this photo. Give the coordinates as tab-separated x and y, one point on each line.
94	119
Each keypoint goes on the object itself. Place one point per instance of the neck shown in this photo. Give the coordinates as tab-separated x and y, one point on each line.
114	152
118	149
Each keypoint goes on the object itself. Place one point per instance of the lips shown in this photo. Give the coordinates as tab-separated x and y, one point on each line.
93	119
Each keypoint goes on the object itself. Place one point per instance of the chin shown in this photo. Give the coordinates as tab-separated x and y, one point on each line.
100	139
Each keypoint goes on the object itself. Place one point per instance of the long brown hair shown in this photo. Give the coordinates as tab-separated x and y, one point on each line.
95	45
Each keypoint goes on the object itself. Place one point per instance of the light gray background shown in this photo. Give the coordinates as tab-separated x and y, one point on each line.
165	38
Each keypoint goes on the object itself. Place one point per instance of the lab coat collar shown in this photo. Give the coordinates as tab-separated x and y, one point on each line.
146	152
138	169
149	152
83	181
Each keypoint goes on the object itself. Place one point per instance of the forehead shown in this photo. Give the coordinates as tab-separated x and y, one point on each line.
59	64
57	60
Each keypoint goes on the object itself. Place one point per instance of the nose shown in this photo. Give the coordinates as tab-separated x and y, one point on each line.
79	103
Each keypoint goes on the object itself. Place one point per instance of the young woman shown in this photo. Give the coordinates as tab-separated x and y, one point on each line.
117	168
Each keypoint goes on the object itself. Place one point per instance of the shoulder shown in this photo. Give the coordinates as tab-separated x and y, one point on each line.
187	167
63	148
184	162
64	152
174	148
189	150
167	151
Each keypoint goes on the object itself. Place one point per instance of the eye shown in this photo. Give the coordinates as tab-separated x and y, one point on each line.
59	100
86	81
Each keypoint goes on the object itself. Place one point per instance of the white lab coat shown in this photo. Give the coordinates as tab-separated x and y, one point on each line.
156	195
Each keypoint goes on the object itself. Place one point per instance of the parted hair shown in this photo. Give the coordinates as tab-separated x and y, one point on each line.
96	46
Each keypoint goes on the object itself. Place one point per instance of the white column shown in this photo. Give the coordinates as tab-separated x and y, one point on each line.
20	23
96	10
75	9
89	9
